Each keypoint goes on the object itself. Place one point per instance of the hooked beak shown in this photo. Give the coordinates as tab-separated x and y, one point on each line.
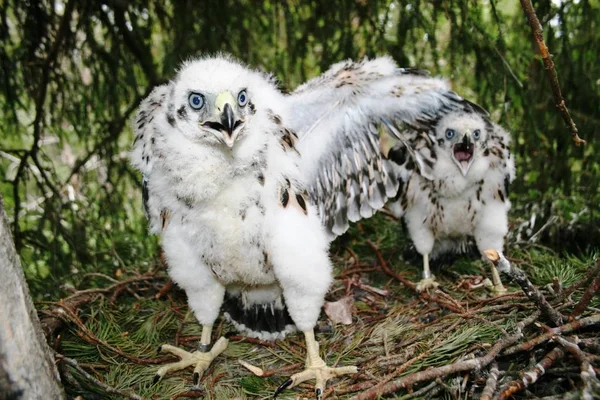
225	120
463	154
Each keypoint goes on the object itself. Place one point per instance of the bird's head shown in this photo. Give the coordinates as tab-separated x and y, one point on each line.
212	99
463	137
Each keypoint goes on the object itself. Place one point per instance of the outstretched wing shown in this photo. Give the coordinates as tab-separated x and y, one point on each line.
337	117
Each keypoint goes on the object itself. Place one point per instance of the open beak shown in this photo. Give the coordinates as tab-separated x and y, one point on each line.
463	154
225	120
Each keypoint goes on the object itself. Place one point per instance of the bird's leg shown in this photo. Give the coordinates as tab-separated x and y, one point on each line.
497	287
201	357
428	281
315	369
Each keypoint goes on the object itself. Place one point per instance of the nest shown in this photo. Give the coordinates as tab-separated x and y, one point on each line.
538	340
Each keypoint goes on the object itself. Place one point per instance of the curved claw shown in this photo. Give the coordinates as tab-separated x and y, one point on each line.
196	378
319	393
156	379
282	387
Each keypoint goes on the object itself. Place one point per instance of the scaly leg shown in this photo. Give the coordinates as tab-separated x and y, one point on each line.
201	357
498	286
315	369
428	281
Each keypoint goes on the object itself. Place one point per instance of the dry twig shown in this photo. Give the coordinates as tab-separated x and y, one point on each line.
54	321
538	36
591	385
460	366
531	376
519	276
593	272
108	389
491	383
582	323
453	306
588	295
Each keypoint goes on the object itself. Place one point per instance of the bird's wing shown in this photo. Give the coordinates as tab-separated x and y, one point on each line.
337	117
498	151
142	154
414	154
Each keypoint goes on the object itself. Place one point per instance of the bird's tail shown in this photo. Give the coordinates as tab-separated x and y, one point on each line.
265	320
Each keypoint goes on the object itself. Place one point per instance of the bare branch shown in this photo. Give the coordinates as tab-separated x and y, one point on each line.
538	36
531	376
570	327
460	366
588	295
108	389
519	276
491	383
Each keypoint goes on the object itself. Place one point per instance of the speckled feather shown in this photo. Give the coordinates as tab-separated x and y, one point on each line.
442	207
338	115
251	212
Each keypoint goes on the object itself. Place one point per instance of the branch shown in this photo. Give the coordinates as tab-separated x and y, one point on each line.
531	376
63	28
593	272
108	389
460	366
591	385
582	323
538	36
55	320
491	383
454	307
518	275
588	295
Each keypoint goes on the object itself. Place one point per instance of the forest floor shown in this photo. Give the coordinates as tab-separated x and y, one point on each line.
459	341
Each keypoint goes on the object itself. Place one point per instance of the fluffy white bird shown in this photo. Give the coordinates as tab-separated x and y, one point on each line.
246	187
455	181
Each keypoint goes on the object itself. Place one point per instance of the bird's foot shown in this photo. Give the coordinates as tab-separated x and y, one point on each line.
426	284
200	359
497	289
319	371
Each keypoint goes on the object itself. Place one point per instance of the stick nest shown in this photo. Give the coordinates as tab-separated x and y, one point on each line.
458	341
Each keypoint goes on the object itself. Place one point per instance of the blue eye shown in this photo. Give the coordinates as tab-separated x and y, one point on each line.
196	101
242	98
449	134
476	134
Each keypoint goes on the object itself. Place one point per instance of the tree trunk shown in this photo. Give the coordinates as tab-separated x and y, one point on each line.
27	369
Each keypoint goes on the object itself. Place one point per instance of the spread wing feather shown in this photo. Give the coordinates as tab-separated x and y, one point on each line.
337	117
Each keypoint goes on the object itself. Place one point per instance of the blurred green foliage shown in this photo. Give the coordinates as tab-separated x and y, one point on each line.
73	72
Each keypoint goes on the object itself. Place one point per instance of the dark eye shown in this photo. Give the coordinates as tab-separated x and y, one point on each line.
476	134
242	98
196	101
450	134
